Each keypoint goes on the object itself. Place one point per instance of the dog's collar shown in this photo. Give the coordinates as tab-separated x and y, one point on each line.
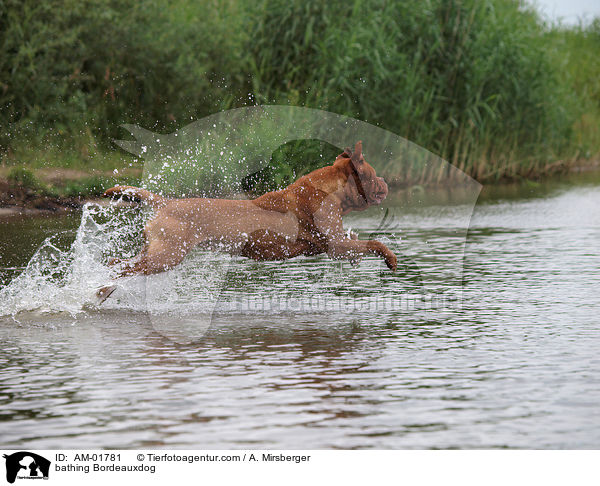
359	186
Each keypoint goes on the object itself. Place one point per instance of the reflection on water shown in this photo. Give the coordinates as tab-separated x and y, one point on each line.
516	366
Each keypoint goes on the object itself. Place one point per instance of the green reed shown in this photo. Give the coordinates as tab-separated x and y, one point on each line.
483	83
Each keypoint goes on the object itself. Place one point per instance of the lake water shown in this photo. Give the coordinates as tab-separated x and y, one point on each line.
203	357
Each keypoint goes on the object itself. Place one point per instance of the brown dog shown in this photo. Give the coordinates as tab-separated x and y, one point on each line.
305	218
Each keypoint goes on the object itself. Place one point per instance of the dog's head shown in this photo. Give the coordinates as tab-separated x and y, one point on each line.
363	188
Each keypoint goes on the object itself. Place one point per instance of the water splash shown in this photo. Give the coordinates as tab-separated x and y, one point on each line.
59	280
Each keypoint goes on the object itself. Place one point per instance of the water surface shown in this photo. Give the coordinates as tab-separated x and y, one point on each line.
514	366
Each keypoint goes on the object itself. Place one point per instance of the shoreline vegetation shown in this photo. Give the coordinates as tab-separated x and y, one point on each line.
59	190
486	85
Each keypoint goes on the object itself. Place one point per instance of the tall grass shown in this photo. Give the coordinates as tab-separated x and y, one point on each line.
483	83
470	80
577	53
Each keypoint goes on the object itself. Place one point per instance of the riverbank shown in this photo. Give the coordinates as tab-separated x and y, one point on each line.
26	191
52	190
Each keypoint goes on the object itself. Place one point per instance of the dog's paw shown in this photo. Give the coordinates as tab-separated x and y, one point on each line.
104	293
355	261
391	261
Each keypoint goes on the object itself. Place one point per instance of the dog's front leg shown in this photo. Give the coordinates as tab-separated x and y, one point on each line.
353	250
340	245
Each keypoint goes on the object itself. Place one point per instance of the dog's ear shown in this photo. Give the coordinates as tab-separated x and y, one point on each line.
357	156
347	153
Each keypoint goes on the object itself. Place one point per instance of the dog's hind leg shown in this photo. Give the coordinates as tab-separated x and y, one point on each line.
130	261
156	257
160	256
105	292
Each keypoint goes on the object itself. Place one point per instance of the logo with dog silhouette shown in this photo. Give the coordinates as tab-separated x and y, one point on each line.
26	465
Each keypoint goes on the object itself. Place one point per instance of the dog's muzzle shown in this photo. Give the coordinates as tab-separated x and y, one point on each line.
380	191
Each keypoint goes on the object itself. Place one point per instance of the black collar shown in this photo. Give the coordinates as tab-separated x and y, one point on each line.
359	186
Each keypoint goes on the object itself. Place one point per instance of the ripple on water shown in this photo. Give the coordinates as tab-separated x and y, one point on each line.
515	366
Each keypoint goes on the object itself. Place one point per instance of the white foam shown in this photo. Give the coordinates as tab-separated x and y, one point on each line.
58	281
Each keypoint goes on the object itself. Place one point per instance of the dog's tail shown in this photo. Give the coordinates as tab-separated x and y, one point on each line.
135	193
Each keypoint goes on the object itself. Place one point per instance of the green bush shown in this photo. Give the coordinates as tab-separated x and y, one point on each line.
23	177
93	186
75	70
